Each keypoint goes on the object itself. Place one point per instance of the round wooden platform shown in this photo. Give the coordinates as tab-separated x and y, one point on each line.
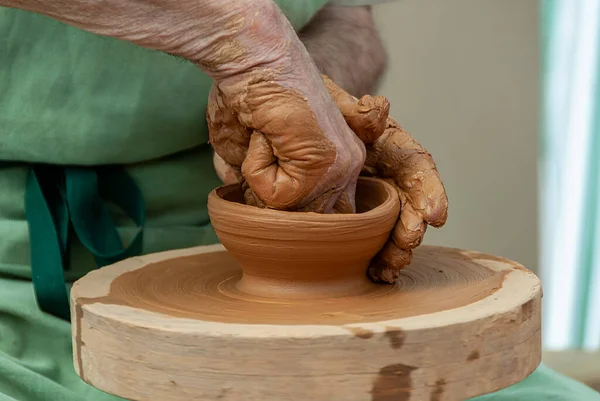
173	326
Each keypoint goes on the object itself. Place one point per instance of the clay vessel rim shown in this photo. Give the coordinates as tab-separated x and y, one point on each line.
383	208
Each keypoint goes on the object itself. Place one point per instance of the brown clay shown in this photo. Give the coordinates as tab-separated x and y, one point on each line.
307	255
292	149
211	288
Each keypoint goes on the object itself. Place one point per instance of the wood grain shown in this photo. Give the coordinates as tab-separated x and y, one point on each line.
173	326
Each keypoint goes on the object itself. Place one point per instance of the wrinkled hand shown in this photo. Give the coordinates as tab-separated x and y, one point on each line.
279	133
392	154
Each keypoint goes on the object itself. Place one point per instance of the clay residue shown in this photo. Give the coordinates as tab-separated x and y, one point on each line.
360	332
393	383
424	200
366	116
284	161
226	49
396	337
204	287
223	52
474	355
438	390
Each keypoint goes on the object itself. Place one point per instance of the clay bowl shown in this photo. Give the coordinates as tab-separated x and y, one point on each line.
298	254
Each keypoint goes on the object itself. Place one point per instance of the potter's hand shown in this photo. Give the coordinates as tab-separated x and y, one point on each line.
277	130
394	155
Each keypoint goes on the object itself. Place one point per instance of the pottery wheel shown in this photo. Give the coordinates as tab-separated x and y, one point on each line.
173	326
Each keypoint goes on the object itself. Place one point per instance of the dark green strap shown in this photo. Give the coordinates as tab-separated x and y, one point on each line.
60	199
87	194
48	218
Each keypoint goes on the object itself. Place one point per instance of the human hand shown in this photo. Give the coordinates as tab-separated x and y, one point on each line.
276	130
392	154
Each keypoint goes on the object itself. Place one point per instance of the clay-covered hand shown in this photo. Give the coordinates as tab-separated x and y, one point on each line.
279	132
393	154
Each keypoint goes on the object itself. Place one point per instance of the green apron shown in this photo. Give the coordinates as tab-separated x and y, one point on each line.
104	155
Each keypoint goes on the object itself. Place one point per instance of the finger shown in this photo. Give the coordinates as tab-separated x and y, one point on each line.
323	203
388	263
265	177
366	116
410	228
346	203
269	182
250	197
228	137
260	166
226	172
399	156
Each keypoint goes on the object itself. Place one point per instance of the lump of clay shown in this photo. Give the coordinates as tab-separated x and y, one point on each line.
392	154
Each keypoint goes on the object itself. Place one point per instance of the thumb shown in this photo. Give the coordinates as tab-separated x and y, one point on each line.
366	116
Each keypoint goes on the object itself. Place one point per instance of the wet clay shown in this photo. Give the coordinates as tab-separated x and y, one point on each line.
204	288
304	255
288	147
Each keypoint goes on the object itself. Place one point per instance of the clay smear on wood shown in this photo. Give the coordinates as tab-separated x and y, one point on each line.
206	289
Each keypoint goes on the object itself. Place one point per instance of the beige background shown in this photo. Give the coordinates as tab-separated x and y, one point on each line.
463	79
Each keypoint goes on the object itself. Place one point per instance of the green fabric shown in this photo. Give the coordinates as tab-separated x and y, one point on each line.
59	200
176	212
544	385
69	96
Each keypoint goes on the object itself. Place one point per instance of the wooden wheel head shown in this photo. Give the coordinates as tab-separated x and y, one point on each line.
174	326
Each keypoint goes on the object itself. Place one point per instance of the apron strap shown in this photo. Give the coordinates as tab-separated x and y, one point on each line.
48	218
64	200
88	192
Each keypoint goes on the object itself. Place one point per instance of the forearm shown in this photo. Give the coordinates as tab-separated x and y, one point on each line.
223	37
346	46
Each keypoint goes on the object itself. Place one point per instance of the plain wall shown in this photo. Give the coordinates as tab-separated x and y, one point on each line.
463	79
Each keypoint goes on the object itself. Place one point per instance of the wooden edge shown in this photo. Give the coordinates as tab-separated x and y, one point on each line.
519	289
